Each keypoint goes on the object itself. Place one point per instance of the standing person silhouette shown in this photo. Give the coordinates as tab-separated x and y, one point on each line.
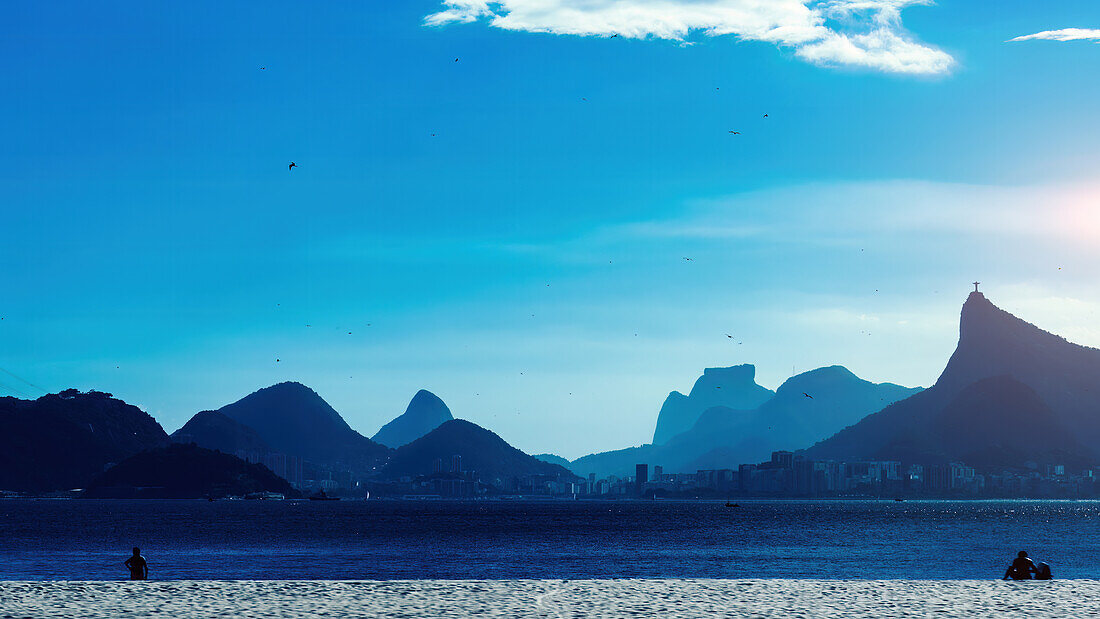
1022	568
139	569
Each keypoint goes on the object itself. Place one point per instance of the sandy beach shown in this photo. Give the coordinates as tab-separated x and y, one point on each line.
550	598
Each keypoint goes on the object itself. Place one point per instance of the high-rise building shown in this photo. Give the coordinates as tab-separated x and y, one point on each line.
783	459
658	470
437	465
456	463
804	476
641	476
745	474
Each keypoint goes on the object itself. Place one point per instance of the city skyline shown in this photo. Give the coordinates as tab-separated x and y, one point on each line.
502	216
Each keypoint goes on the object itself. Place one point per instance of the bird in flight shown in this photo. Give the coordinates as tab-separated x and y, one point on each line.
688	259
807	395
765	115
456	59
735	132
291	166
263	68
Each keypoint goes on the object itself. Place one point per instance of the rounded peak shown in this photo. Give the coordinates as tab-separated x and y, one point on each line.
425	413
460	423
289	390
818	376
290	385
427	403
457	427
838	371
426	396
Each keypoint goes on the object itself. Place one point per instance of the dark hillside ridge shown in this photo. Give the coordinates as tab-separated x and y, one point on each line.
480	450
185	472
294	420
61	441
1010	394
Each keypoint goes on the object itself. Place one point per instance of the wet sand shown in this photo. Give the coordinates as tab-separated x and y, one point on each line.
183	599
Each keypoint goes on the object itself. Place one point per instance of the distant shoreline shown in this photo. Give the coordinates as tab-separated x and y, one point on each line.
589	500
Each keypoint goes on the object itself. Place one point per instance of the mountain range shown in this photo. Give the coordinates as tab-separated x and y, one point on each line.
1010	394
290	418
805	409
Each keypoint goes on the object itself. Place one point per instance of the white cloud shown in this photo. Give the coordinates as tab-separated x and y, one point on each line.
837	33
1065	34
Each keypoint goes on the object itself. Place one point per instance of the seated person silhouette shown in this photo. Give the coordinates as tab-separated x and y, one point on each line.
1022	568
139	569
1044	572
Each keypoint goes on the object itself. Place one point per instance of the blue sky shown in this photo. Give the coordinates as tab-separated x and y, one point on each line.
525	262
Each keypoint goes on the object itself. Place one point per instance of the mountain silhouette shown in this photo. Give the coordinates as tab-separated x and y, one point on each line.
724	437
213	430
63	440
553	459
185	472
494	460
733	387
789	420
1010	393
424	414
294	420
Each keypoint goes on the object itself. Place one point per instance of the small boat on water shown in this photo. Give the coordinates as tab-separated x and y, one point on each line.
321	496
728	504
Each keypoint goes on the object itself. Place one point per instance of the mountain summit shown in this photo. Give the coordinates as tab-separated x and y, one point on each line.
294	420
478	450
1011	393
789	420
733	387
425	413
723	436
